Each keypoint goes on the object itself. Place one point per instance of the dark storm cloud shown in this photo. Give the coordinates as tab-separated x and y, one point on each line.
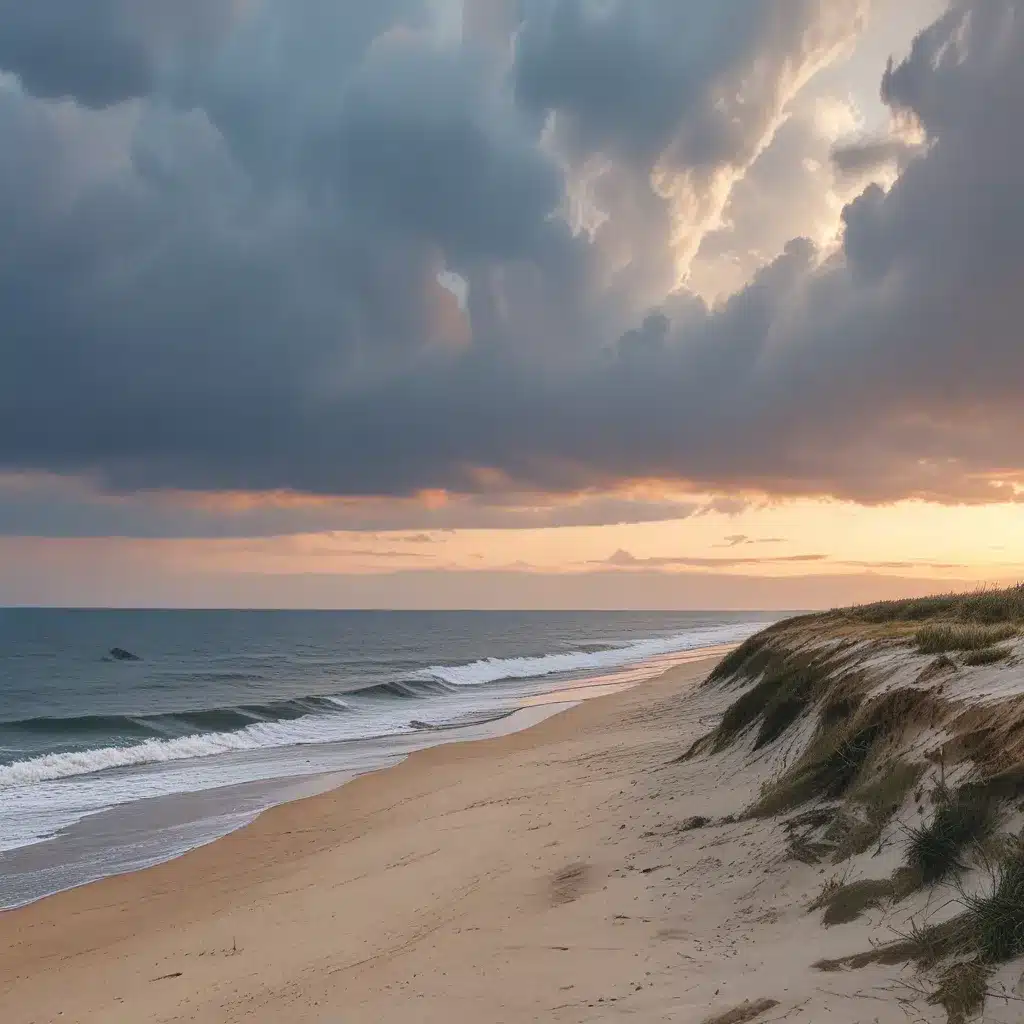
648	77
231	282
430	152
103	51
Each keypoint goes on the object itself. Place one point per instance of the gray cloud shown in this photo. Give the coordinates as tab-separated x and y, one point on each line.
103	51
872	155
230	282
53	506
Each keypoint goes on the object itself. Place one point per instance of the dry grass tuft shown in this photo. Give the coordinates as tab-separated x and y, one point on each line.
924	946
998	917
981	606
877	801
962	990
742	659
742	1014
936	850
940	638
845	903
988	656
806	850
837	755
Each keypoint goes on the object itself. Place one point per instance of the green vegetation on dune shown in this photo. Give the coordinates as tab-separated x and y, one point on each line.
872	743
740	658
941	638
838	754
789	688
987	656
997	917
962	820
985	607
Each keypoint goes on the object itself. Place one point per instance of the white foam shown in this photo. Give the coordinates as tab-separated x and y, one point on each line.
258	736
41	796
491	670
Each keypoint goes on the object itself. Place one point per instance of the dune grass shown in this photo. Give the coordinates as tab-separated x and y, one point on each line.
940	638
987	656
981	606
789	685
845	903
962	990
874	803
936	850
837	755
741	657
998	916
971	945
925	947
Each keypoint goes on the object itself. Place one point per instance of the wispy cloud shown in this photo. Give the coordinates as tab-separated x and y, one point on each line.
624	559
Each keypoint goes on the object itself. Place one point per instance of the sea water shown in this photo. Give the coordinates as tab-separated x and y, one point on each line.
108	765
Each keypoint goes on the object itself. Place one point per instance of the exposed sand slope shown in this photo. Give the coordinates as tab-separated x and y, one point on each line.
547	876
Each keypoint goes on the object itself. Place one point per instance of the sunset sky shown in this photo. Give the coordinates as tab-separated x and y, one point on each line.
510	303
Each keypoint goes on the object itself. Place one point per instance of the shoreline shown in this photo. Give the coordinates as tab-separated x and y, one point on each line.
44	870
132	926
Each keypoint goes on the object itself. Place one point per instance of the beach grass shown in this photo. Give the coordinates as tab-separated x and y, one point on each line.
874	804
987	606
740	659
846	902
962	990
988	656
836	759
998	916
960	821
941	638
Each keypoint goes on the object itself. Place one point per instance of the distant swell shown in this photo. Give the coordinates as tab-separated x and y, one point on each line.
492	670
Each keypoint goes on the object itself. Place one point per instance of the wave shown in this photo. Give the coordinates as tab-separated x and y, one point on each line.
134	741
492	670
171	724
257	736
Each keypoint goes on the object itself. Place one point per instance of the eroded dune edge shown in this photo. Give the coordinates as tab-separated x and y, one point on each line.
888	746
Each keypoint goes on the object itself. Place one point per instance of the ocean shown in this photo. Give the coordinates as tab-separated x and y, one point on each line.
112	763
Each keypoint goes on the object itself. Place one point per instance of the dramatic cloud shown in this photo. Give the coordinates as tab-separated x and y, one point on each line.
224	231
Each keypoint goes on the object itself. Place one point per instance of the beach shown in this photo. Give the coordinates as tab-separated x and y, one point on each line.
519	878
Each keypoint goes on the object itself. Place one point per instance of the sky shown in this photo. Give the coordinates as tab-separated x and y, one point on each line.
510	303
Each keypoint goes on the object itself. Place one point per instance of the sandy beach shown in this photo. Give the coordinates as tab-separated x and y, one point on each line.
555	874
501	880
